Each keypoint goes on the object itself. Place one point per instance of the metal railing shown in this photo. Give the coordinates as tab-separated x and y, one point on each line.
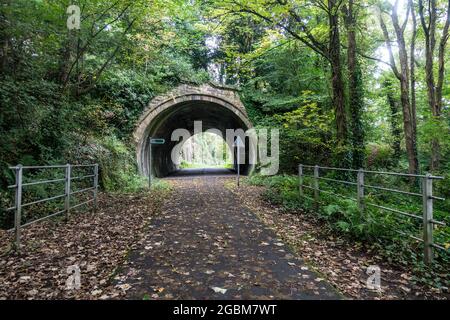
428	223
68	192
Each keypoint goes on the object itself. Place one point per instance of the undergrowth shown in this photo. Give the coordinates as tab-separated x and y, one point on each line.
383	232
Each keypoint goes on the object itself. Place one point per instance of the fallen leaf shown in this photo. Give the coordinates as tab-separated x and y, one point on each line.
219	290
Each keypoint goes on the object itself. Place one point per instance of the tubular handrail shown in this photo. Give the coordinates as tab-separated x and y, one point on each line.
394	210
41	182
329	168
36	202
36	183
375	187
339	181
378	172
438	222
329	179
41	219
337	195
38	167
82	190
393	190
439	247
405	174
43	200
409	235
19	185
426	195
81	204
82	165
83	177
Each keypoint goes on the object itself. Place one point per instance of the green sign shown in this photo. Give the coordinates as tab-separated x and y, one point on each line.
157	141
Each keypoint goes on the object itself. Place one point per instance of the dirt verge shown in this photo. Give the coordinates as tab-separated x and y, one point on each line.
94	242
342	263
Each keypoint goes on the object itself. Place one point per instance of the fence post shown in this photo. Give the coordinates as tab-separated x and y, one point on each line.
360	187
427	191
316	186
95	186
18	205
149	162
67	190
300	179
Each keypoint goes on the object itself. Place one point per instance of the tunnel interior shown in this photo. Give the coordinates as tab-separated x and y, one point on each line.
205	150
183	115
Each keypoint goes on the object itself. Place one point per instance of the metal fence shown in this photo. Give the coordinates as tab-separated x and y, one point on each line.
68	192
428	223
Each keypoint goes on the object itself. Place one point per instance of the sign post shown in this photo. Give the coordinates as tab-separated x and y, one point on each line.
238	144
152	142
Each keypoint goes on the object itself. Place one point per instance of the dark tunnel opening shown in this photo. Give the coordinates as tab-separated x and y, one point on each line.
184	115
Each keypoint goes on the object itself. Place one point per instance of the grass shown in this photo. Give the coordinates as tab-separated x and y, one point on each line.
186	165
160	185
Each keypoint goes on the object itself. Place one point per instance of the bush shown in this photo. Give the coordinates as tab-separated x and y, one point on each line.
118	170
377	228
378	156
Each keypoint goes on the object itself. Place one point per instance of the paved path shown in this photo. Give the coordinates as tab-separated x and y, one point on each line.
205	245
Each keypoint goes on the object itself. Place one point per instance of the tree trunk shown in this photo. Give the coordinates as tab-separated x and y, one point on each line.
395	121
430	44
434	90
331	53
404	78
441	59
355	88
410	137
4	56
66	53
337	82
413	76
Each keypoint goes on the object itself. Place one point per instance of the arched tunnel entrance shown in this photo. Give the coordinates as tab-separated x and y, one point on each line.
216	108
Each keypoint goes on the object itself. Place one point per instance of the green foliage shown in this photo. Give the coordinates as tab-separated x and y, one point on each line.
356	106
288	92
33	125
378	156
76	96
378	229
438	129
117	166
160	185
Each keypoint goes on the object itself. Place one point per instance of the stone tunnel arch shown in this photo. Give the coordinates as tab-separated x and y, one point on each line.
218	107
